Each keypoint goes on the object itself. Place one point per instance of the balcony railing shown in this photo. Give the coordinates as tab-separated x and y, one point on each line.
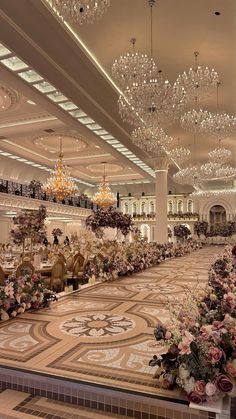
14	188
171	216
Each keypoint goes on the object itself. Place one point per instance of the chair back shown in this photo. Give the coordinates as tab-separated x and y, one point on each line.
70	263
57	275
2	276
25	268
78	267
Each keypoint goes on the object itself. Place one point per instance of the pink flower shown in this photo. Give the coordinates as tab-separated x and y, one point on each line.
230	299
167	335
231	368
199	387
184	346
215	354
210	389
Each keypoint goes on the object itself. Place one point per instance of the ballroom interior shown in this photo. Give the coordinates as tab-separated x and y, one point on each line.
117	202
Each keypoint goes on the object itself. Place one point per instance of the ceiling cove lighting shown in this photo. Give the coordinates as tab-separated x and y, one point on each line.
16	65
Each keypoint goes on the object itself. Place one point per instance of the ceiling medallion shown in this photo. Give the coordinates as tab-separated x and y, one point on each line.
60	185
9	98
79	11
104	197
49	143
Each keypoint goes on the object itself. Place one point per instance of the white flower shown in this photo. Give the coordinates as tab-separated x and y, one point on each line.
4	315
189	384
183	373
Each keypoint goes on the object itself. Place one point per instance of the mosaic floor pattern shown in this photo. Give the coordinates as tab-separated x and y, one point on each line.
104	334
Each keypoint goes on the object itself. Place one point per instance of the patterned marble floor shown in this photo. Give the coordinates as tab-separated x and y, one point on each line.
104	334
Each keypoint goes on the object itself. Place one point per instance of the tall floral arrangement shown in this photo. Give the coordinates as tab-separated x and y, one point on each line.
201	227
181	231
201	338
109	217
57	232
29	223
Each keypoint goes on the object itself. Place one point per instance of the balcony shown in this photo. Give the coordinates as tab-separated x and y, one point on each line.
187	216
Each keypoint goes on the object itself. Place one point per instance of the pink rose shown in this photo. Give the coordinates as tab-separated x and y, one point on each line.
210	389
230	299
167	335
195	397
184	346
215	354
231	368
223	383
199	387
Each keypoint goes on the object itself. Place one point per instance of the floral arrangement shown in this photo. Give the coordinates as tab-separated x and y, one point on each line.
57	232
201	338
113	259
109	217
181	231
23	293
29	223
225	230
201	227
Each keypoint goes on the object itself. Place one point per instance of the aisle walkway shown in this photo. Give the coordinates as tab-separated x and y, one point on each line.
104	334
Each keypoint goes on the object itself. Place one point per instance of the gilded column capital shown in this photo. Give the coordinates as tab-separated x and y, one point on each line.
161	163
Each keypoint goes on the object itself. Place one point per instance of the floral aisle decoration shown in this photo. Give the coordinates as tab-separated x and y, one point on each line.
23	293
201	338
57	232
113	259
181	231
109	217
224	230
201	228
29	224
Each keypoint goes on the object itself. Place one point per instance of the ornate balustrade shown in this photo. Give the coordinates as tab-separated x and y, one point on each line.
188	216
18	189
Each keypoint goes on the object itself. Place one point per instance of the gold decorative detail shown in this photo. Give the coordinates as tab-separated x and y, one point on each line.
60	185
104	197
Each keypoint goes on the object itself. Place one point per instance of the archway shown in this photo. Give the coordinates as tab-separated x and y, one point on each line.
217	215
145	231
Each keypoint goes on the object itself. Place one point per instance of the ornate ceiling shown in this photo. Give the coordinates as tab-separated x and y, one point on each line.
80	71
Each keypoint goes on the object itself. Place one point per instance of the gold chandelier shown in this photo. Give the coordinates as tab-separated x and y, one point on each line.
104	197
60	185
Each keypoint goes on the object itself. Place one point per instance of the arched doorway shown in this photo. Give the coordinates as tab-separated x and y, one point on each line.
145	231
217	215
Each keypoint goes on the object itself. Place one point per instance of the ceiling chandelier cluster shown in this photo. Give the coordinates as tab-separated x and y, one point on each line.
220	155
79	11
104	197
151	140
60	185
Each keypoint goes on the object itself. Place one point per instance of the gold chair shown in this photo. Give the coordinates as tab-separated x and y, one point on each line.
2	276
58	276
70	263
78	267
25	268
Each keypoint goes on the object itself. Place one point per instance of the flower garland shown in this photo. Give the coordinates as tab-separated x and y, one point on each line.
201	338
19	294
29	223
109	217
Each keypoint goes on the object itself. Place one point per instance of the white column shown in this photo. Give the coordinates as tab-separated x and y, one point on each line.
161	165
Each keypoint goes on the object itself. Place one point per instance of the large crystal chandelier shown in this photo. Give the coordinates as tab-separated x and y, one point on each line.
198	81
151	139
220	155
104	197
147	99
79	11
60	185
180	153
218	124
188	176
193	120
133	68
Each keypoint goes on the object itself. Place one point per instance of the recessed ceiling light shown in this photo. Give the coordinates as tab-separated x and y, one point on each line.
217	13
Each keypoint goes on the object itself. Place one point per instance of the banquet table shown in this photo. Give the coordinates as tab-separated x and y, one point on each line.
9	268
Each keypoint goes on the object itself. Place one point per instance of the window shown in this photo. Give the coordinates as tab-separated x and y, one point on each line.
126	208
190	206
180	207
134	208
143	208
170	207
151	206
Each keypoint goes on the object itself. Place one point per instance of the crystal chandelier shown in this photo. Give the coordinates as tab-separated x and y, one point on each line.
188	176
147	99
198	81
180	154
214	192
208	170
219	124
220	155
104	197
60	185
150	139
133	68
79	11
193	120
